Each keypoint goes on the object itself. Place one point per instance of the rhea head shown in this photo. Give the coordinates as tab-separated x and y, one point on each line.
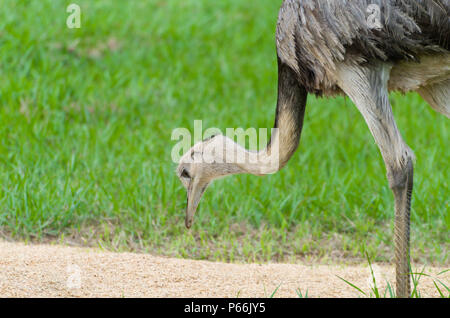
215	157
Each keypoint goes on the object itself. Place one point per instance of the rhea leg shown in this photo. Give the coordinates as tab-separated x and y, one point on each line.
367	87
438	96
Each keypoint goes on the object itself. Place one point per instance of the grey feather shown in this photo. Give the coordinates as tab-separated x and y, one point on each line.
314	35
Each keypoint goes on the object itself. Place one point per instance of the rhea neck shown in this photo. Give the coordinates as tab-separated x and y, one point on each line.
285	136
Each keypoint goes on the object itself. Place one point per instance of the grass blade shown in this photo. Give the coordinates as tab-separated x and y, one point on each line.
437	287
300	294
374	288
275	291
355	287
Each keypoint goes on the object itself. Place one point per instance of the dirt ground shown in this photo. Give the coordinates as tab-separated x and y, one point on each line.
61	271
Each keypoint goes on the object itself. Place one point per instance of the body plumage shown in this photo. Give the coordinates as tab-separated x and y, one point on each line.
313	36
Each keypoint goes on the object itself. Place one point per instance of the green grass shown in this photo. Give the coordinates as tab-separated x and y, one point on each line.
376	292
86	117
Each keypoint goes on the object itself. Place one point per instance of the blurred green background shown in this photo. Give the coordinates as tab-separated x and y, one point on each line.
86	117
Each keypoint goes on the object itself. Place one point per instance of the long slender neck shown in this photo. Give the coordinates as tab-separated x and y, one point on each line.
285	137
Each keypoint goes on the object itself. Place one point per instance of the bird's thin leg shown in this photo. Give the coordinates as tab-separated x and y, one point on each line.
402	190
367	87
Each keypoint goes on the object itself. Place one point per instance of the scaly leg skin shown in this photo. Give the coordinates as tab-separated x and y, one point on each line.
367	88
402	194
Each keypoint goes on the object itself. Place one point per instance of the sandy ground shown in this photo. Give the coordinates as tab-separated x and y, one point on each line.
61	271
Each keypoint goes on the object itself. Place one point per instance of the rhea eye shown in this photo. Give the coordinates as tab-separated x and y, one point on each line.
185	174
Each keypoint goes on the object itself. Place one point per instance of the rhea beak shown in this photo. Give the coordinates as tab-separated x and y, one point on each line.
194	194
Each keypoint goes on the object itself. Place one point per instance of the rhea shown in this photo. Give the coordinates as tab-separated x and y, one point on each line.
362	49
